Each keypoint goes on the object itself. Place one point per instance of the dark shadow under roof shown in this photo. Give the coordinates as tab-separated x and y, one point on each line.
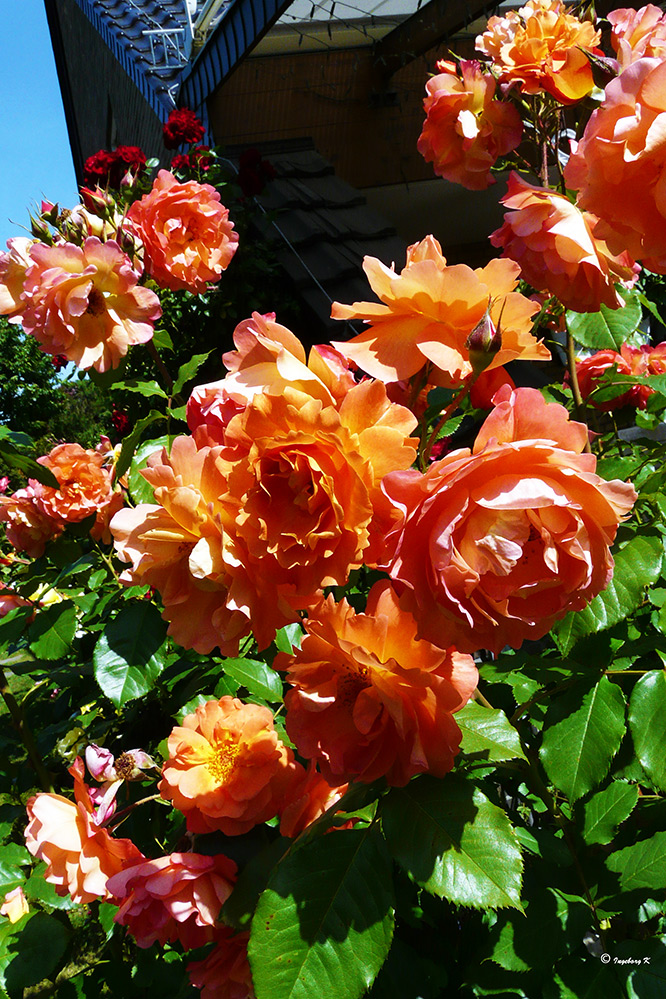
321	228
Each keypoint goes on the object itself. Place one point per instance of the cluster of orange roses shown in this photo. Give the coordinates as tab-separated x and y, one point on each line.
296	472
544	53
37	514
77	288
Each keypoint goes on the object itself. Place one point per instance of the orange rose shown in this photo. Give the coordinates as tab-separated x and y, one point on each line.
80	855
492	547
184	546
540	47
618	166
84	302
638	33
27	526
306	495
257	528
554	243
306	799
466	130
225	973
371	701
85	488
486	385
268	359
428	313
186	233
227	769
178	897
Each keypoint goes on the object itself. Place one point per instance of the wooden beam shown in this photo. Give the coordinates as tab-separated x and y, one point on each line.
429	26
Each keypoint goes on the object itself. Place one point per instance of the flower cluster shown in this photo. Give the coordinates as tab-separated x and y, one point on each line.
349	516
540	57
79	289
38	513
541	48
630	361
112	168
271	499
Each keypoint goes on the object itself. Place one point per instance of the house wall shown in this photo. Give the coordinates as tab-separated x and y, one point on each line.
334	97
106	108
328	97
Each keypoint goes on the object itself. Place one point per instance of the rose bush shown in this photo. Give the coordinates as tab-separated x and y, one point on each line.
390	665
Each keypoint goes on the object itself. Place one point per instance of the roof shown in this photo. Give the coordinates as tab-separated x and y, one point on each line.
151	40
321	228
147	37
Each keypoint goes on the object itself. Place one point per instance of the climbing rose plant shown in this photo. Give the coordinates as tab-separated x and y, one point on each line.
343	673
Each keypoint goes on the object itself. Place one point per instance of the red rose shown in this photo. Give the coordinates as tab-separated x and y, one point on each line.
182	126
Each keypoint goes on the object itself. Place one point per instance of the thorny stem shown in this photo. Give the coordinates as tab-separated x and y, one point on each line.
575	387
424	451
109	564
24	732
122	815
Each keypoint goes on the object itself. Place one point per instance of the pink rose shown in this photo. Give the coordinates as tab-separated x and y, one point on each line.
178	897
85	302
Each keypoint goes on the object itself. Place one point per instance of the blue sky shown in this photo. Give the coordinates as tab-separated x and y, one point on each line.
35	160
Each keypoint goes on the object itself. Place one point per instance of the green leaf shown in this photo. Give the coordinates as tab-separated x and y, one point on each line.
551	927
11	456
450	426
37	951
408	974
608	328
52	632
647	723
637	565
147	389
289	638
582	733
140	490
131	442
646	975
15	437
587	978
187	371
488	734
604	812
37	888
239	908
324	925
162	340
454	842
258	678
642	865
12	858
130	655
